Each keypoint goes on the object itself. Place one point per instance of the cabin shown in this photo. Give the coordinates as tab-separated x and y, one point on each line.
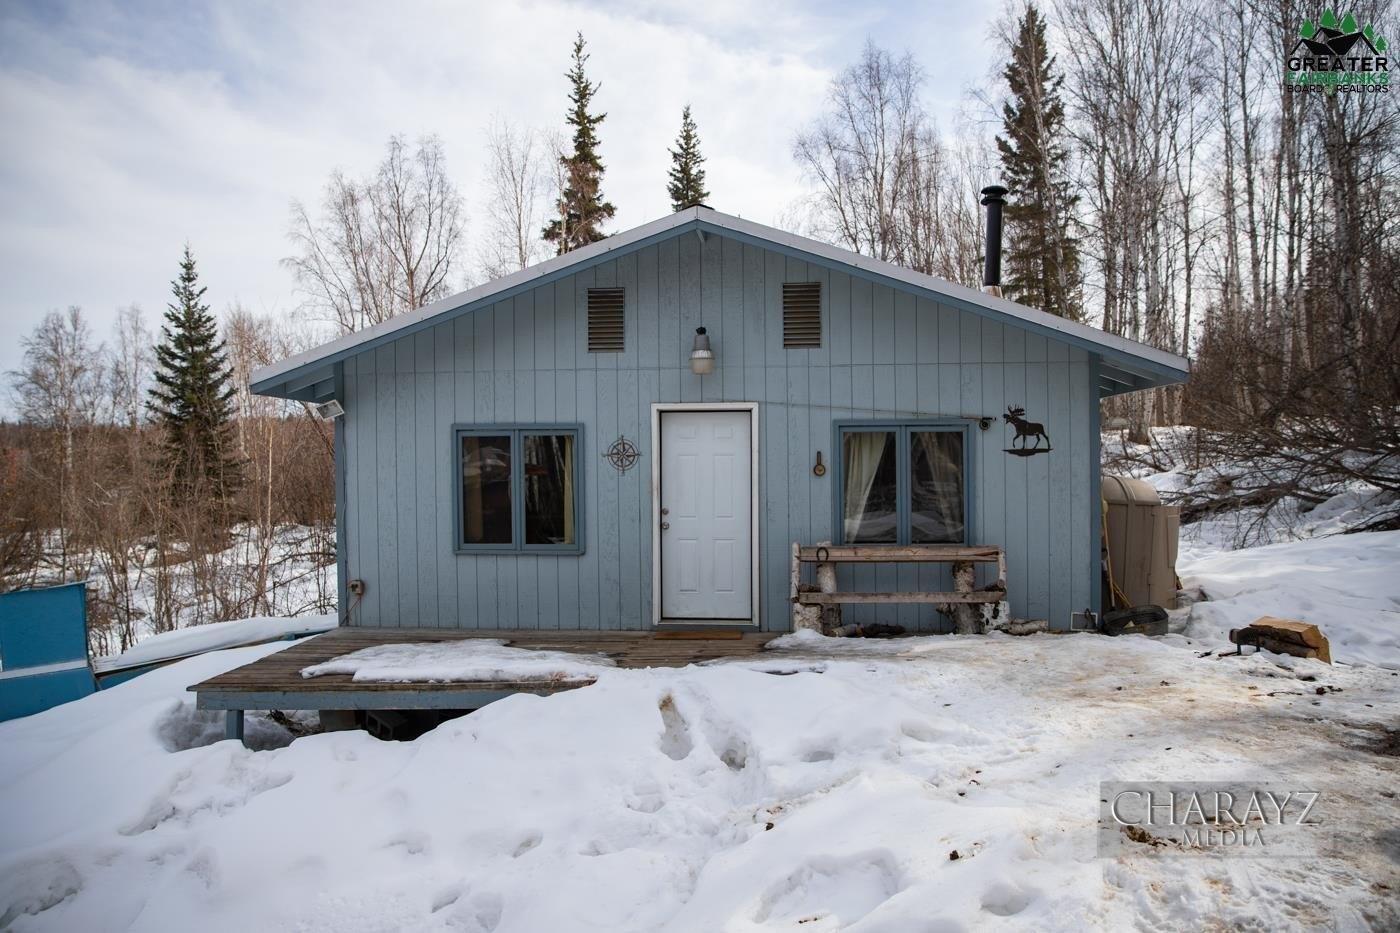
635	435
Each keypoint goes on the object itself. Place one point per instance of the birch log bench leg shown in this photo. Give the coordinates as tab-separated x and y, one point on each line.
972	610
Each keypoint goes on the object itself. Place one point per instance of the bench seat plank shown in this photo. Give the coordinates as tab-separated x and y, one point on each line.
878	554
976	596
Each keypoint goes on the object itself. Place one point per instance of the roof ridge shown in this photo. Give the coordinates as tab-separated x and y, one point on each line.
312	366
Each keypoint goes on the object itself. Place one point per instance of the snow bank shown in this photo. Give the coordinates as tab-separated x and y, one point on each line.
705	799
197	639
1346	585
468	659
904	646
108	740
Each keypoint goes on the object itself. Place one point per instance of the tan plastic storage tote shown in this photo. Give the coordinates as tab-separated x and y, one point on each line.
1140	535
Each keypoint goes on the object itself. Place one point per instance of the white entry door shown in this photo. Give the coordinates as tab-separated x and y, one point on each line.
706	511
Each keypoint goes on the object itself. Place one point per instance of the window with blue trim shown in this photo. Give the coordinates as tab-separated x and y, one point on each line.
518	488
903	483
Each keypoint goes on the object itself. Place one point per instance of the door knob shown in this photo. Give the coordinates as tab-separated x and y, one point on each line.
665	511
665	525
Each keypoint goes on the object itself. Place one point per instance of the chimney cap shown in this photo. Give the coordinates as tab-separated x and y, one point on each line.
993	194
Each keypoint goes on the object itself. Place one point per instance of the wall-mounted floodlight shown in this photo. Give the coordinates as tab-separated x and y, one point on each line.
328	411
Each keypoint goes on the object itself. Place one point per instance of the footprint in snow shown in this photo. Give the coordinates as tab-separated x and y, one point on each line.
34	886
474	913
1003	899
645	801
446	897
844	888
526	844
413	843
676	742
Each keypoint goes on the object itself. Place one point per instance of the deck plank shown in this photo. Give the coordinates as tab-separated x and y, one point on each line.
280	673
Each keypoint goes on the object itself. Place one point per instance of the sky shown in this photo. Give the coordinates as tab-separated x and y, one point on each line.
133	128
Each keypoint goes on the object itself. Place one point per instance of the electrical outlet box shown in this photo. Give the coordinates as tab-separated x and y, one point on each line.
356	587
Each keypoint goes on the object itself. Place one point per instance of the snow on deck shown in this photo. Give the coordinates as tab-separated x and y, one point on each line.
472	659
197	639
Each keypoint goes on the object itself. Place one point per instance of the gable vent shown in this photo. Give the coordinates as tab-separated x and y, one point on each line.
802	315
605	307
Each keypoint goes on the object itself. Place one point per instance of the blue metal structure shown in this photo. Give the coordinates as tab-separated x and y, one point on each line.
43	649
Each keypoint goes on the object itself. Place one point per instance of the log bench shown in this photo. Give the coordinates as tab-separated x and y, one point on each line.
972	609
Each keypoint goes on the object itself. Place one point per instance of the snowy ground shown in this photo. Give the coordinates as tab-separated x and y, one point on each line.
941	783
1347	585
713	798
1302	563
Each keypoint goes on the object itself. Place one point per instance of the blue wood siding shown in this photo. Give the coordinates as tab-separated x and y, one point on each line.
884	354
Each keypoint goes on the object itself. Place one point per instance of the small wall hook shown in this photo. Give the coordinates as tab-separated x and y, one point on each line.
820	468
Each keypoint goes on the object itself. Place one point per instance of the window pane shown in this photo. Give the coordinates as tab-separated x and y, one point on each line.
549	488
486	508
868	465
936	487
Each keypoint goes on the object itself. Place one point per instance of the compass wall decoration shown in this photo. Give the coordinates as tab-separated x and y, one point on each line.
622	454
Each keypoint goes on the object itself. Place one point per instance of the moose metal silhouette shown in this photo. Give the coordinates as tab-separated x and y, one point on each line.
1024	429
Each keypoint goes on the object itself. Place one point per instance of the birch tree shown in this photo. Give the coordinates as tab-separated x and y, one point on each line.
518	182
884	182
383	245
860	151
59	388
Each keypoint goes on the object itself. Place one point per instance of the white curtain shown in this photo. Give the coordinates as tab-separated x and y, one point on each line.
863	452
568	466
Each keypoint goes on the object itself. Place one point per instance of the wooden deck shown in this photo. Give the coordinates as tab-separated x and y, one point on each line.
275	682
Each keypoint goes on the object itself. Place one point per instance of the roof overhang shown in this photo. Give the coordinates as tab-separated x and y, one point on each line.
1124	365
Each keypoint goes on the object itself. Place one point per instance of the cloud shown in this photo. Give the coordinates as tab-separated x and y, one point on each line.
133	129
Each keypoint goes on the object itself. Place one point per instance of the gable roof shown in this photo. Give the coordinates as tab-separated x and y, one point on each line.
1126	365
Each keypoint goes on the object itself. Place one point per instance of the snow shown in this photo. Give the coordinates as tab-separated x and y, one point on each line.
1305	562
827	784
197	639
473	659
1346	585
711	798
1172	465
291	572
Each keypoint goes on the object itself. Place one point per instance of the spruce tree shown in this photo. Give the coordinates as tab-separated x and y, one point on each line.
581	208
687	185
191	401
1043	259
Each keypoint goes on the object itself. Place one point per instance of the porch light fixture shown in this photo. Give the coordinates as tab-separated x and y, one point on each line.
702	358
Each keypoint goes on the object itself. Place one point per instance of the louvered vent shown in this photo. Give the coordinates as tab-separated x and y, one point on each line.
605	319
802	315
